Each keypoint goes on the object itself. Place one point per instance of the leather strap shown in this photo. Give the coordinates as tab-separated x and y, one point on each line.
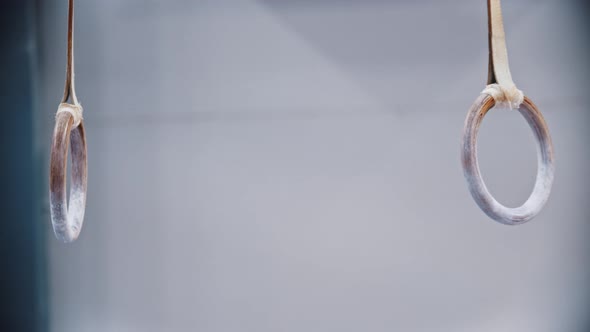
70	88
499	76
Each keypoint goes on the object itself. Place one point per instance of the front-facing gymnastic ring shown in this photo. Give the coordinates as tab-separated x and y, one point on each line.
67	222
545	168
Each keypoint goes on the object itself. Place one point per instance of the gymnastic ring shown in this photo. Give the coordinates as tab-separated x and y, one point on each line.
545	163
67	222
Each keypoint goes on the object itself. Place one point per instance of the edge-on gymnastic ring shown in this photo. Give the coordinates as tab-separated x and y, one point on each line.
67	222
545	168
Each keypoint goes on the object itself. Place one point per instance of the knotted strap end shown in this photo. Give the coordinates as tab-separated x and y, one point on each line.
505	98
74	110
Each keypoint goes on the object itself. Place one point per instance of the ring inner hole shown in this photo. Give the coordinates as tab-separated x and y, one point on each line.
68	176
507	156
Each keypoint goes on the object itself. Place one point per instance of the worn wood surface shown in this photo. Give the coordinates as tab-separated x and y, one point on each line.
67	221
545	168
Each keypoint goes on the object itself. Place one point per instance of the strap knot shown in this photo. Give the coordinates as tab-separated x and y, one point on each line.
505	98
74	110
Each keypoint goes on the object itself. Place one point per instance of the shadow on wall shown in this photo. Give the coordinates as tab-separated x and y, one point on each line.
23	302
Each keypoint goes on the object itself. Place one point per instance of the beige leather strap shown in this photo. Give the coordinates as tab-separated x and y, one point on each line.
500	84
70	88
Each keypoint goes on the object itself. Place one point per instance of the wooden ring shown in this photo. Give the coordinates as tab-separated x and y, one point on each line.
67	222
545	163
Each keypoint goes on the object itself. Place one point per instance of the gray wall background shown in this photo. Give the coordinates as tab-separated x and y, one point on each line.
265	165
